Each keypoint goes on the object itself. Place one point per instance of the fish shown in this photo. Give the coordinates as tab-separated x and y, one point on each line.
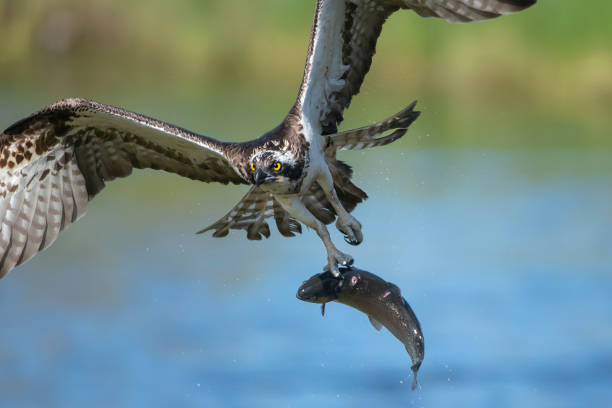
380	300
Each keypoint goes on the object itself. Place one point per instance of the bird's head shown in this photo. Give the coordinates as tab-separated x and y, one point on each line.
272	167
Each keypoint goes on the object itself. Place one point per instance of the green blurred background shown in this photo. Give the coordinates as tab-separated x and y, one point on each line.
541	78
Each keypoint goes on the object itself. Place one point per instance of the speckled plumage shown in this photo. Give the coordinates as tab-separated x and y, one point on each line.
56	160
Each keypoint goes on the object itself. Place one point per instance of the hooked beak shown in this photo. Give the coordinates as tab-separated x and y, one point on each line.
261	177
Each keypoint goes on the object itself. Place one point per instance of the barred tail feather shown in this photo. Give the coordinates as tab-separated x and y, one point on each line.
249	214
370	136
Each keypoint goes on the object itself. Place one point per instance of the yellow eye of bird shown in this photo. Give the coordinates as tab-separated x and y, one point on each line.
277	166
252	167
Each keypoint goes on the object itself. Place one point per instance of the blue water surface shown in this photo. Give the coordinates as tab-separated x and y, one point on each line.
504	256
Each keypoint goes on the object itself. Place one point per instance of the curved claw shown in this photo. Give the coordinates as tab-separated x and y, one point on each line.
351	228
332	269
350	241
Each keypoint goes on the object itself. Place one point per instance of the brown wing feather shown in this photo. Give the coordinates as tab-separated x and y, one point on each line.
343	42
370	136
464	11
54	161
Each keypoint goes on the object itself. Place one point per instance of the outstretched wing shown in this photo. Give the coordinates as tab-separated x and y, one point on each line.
54	161
343	42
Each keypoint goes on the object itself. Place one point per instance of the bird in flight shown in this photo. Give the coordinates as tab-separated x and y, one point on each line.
56	160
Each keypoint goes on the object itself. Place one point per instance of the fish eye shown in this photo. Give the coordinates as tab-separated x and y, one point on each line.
277	166
252	166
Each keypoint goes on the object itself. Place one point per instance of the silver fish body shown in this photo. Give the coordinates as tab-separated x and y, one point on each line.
382	301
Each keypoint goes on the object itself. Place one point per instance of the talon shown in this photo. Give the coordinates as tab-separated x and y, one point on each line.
334	271
350	241
351	228
336	258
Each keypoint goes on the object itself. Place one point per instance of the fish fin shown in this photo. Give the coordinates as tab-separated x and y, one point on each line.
323	309
377	325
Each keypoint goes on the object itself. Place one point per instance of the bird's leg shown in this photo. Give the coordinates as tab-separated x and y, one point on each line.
346	224
294	206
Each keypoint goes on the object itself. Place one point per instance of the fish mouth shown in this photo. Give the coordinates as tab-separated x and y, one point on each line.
305	295
311	290
320	288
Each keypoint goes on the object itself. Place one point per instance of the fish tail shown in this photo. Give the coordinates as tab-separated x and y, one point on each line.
415	368
415	382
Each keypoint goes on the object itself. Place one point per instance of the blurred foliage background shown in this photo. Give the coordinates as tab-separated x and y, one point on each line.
537	79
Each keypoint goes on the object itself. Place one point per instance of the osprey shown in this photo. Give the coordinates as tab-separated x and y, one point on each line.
56	160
